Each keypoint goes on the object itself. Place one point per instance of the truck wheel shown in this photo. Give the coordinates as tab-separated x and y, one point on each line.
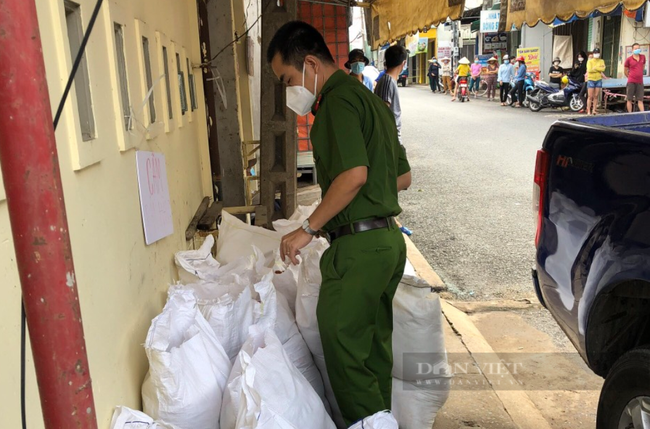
625	398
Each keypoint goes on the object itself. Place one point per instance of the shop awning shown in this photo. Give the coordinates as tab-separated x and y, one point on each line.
394	19
547	11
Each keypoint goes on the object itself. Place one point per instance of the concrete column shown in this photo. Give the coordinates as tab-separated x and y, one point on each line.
278	122
231	93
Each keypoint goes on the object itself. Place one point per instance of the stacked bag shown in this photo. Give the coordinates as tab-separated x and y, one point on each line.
237	344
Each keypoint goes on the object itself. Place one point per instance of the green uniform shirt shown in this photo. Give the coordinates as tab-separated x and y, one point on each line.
355	128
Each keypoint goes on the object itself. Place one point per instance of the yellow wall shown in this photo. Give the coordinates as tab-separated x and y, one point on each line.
121	281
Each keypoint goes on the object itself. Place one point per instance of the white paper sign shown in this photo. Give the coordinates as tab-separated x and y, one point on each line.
490	21
154	196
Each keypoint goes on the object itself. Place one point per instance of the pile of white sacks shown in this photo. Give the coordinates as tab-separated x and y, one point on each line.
237	345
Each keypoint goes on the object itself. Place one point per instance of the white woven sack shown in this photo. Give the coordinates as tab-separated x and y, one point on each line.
274	393
414	405
236	237
126	418
195	265
417	328
380	420
188	367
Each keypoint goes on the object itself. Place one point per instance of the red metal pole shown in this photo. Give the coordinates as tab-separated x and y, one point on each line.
30	168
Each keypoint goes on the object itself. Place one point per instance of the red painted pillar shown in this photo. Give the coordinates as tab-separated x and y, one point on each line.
30	168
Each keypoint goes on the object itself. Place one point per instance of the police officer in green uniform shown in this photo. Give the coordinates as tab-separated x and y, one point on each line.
361	167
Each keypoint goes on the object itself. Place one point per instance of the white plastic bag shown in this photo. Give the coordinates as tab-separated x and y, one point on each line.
309	283
380	420
230	319
417	328
195	265
126	418
236	237
188	367
274	394
275	313
285	279
414	405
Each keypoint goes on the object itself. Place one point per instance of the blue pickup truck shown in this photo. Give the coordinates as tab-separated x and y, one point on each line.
592	201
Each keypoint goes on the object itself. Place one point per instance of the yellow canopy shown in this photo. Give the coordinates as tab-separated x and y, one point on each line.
533	11
394	19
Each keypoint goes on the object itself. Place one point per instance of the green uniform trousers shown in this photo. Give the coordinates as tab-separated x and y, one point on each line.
361	273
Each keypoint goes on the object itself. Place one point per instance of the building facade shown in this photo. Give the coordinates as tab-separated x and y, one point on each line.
138	89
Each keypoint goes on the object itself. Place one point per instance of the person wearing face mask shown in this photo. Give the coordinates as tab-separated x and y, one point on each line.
446	75
520	81
361	167
555	74
357	61
505	76
475	81
395	60
634	71
579	68
434	73
595	69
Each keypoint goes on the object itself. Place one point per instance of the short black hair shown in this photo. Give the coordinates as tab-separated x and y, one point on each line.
636	44
294	41
394	56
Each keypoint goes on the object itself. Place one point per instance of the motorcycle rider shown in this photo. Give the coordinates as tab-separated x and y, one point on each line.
462	72
578	72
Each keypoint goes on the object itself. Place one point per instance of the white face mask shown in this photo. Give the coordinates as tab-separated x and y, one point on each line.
596	55
299	98
581	59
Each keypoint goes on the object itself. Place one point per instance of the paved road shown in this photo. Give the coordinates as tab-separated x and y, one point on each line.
470	203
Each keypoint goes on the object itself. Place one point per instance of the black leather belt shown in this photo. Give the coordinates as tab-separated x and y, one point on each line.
362	226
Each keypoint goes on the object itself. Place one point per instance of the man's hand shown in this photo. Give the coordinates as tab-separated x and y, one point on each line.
292	243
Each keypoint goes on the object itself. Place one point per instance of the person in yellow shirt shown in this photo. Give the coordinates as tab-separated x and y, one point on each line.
595	68
462	71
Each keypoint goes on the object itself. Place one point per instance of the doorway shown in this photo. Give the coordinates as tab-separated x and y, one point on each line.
610	45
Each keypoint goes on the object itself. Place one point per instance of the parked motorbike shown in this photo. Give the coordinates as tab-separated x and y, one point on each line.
544	96
529	86
463	89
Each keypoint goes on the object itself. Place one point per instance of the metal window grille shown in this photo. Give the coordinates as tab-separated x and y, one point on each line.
149	78
181	84
192	84
82	80
118	30
170	113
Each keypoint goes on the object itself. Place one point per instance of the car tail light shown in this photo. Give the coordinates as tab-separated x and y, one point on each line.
539	189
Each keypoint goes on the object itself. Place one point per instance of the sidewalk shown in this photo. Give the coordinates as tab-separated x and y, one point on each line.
473	401
553	386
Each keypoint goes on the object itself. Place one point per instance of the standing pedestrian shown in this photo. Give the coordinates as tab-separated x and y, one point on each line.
634	66
595	69
505	76
386	89
434	73
446	74
360	167
555	73
579	68
475	81
520	80
491	78
356	63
